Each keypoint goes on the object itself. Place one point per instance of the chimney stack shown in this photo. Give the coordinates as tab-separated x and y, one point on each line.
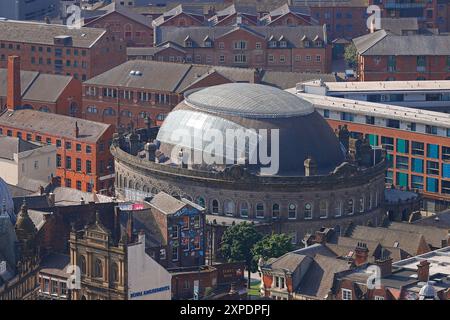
385	265
423	271
77	130
14	95
361	253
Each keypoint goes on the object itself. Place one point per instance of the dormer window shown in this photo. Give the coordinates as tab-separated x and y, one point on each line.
272	44
283	44
188	43
306	43
208	44
319	43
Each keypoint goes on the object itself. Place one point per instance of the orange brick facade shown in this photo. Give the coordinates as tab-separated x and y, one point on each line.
426	139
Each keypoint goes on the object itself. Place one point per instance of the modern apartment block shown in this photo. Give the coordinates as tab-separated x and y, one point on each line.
383	56
417	141
433	95
58	49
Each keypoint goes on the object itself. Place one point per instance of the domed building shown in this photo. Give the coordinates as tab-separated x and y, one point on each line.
314	184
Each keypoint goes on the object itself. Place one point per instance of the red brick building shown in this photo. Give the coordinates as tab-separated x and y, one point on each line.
57	49
83	159
301	48
343	19
136	89
134	29
383	56
431	13
181	16
43	92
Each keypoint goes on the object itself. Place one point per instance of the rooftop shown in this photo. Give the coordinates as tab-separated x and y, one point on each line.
37	86
126	12
177	76
248	100
439	262
42	33
377	86
385	43
378	109
10	146
53	124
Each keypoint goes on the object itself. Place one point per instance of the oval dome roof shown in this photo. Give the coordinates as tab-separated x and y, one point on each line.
248	100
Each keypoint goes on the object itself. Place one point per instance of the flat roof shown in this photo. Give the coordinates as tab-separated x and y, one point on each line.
378	109
369	86
439	261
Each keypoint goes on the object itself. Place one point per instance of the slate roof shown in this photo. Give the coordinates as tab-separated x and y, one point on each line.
166	203
53	124
319	278
55	264
197	35
42	33
177	76
11	145
384	43
126	12
193	11
433	235
36	86
440	220
408	241
398	25
332	3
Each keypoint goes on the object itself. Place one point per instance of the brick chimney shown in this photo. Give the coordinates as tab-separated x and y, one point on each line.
361	253
14	95
423	271
385	265
77	130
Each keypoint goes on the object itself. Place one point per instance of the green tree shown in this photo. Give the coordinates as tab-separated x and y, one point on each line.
272	246
237	244
351	55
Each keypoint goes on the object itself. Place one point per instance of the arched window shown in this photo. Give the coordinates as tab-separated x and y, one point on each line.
44	109
275	210
308	210
73	108
229	207
260	210
200	201
350	206
215	206
98	268
292	211
130	184
126	113
137	186
124	182
243	209
82	264
323	209
155	190
114	272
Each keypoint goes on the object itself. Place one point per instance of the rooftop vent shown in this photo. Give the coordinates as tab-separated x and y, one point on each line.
135	73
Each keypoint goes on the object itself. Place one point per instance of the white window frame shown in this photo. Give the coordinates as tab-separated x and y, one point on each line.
346	293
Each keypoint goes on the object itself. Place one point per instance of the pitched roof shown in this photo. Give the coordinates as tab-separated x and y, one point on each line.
36	86
11	145
166	203
332	3
42	33
440	220
398	25
408	241
433	235
178	76
385	43
124	11
293	35
237	8
192	11
53	124
319	278
55	264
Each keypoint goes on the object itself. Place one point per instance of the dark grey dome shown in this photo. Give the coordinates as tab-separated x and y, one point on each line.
303	132
248	100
